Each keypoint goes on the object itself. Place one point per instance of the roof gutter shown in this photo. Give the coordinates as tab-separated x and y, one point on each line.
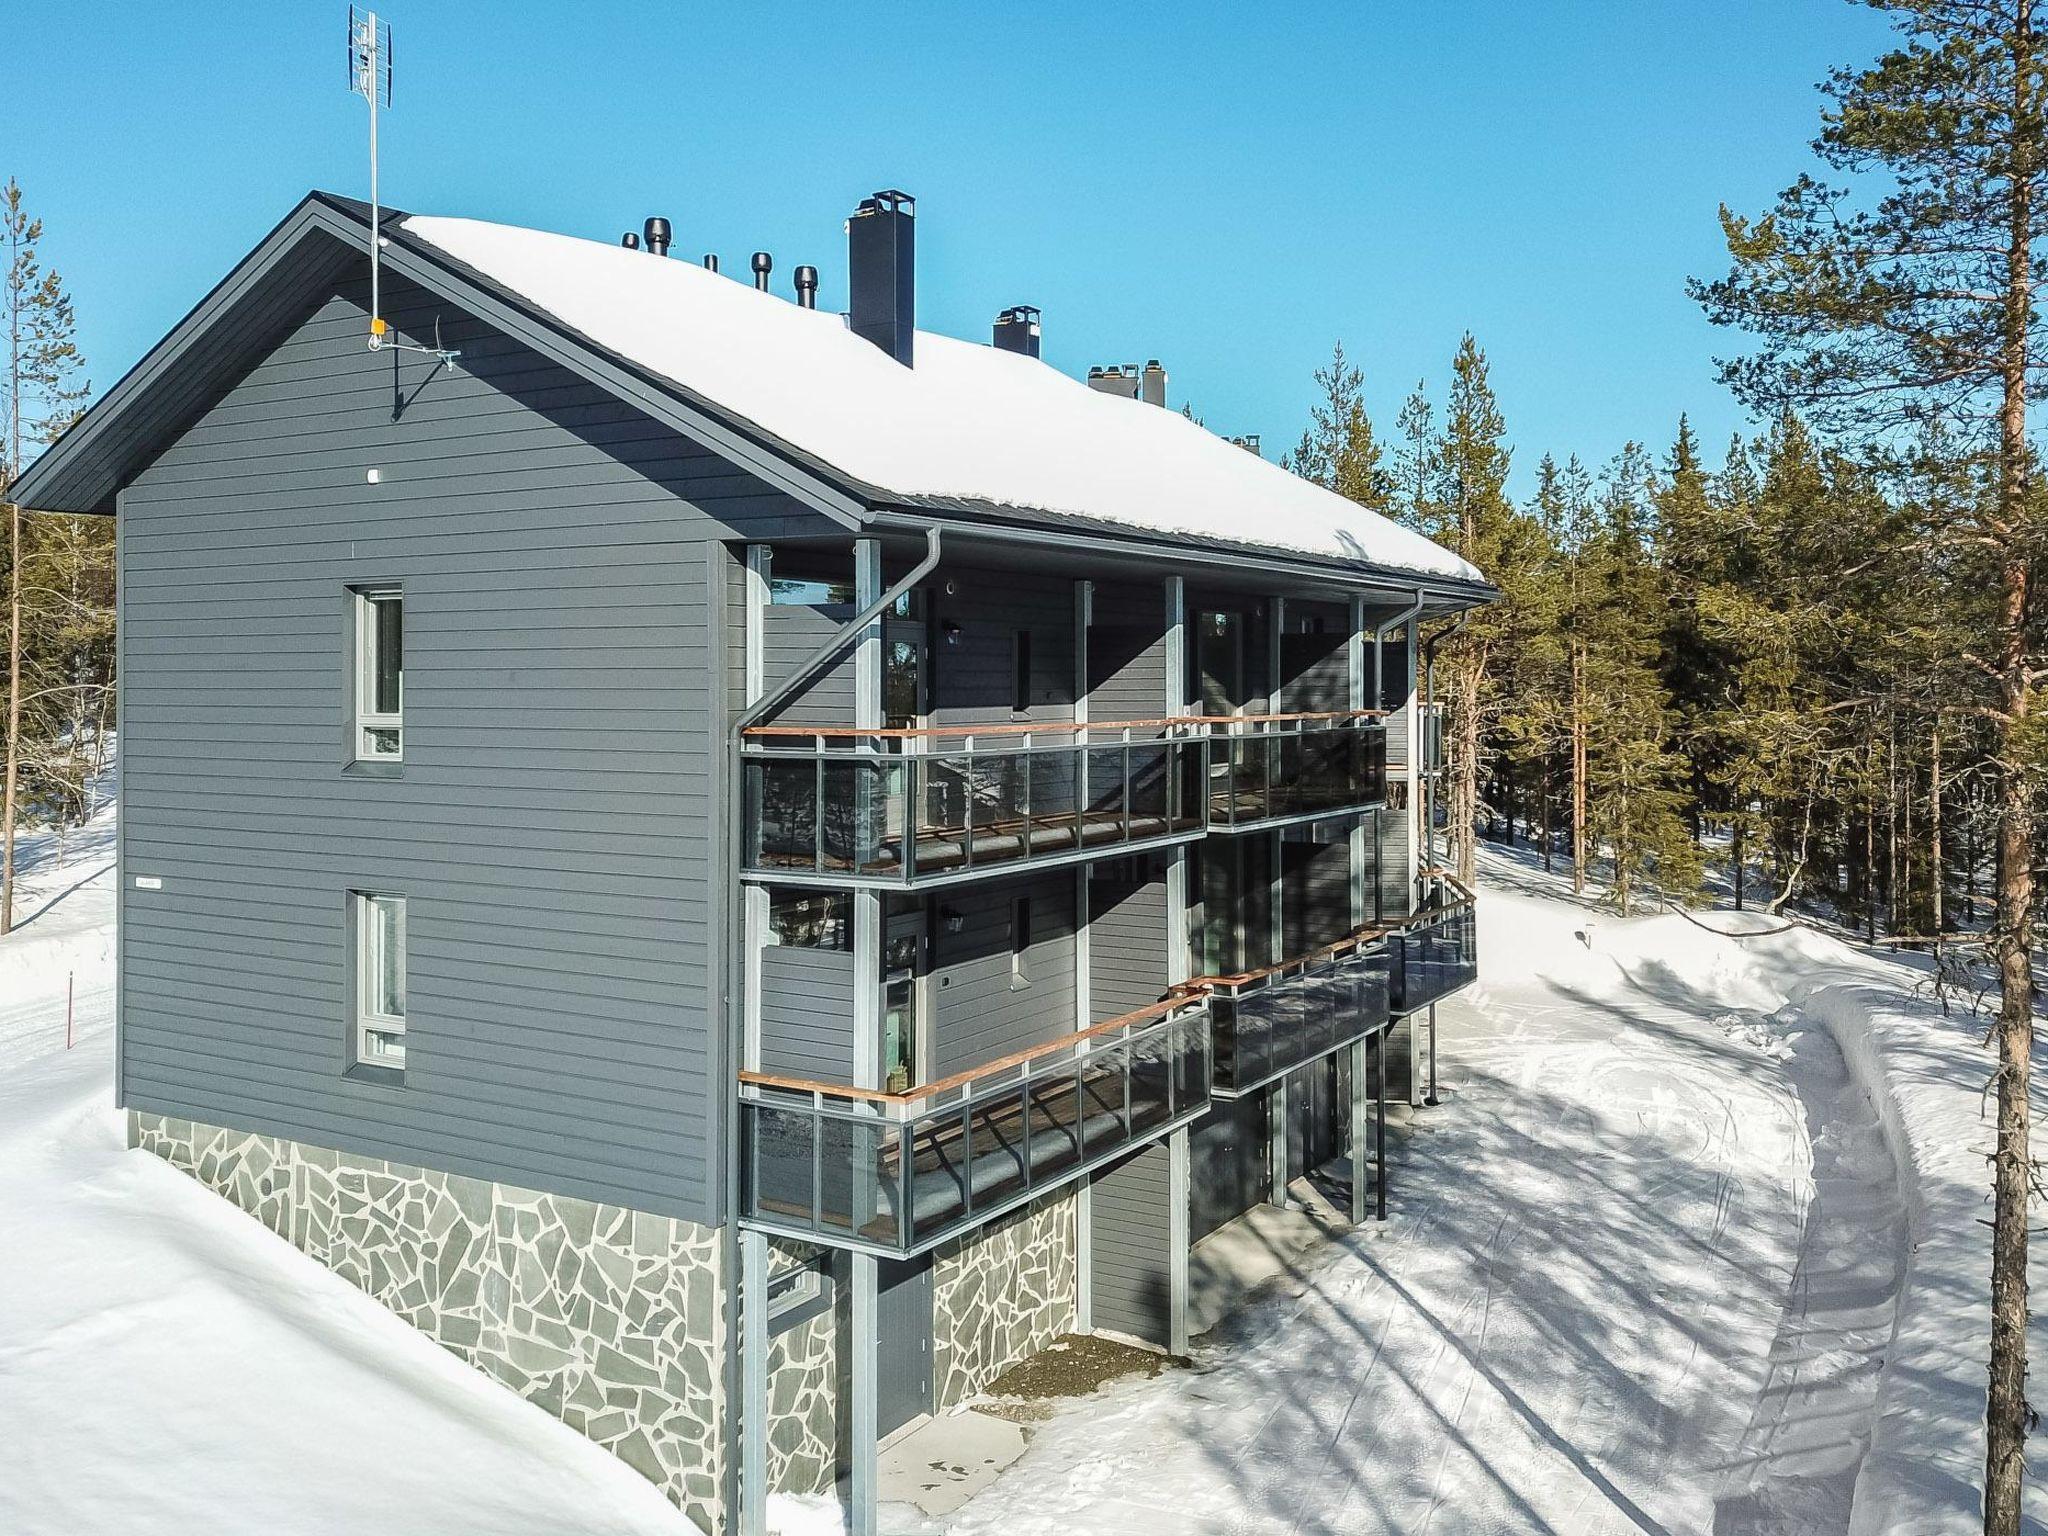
890	520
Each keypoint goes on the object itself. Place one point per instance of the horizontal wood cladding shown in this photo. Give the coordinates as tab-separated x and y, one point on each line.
1130	1247
1127	937
1127	652
980	1009
567	617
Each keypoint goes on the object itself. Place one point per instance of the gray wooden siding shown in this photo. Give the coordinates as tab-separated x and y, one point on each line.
972	668
977	1015
1395	836
1315	671
807	1012
1315	892
1130	1247
1127	652
553	828
1127	939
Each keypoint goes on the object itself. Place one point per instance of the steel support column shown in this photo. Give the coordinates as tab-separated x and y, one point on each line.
1379	1126
1360	1103
1179	1230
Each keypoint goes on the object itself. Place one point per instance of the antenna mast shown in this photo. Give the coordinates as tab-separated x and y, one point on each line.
369	76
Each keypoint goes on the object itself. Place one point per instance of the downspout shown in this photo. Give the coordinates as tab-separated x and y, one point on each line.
1400	620
735	967
1429	672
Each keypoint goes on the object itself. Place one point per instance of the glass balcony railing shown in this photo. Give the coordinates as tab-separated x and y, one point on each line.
897	1173
1268	1022
1437	953
1265	768
900	807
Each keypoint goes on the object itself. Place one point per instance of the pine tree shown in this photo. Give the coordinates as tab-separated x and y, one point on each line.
1875	314
39	393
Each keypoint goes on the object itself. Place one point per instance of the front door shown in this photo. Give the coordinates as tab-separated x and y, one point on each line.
904	1355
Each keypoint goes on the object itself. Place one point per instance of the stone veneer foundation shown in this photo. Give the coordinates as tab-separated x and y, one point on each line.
997	1297
1004	1294
609	1318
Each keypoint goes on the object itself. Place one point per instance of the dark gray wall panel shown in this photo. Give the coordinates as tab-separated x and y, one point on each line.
1129	1247
1127	652
1127	938
553	826
807	1012
972	666
977	1013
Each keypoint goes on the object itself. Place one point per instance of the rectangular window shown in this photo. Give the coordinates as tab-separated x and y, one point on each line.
1020	942
1020	671
380	981
806	920
380	675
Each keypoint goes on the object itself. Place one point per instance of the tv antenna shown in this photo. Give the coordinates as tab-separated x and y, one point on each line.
369	76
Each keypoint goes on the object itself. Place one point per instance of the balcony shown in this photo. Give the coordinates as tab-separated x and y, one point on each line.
1436	954
1267	1022
1269	769
925	807
896	1173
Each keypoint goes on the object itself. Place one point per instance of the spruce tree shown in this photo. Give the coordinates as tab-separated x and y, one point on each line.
1874	313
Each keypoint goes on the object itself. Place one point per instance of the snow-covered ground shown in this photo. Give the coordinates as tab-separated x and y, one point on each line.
1643	1274
168	1366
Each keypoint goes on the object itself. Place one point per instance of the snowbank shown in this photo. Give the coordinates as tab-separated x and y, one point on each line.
1924	1471
1925	1074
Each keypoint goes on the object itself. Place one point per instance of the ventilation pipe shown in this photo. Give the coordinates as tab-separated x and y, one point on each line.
881	263
630	241
710	262
1017	330
657	235
1116	380
807	287
763	265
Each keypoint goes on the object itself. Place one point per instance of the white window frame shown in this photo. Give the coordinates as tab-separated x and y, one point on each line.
1020	942
369	720
376	1029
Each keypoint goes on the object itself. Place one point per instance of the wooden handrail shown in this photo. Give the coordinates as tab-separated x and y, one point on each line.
1050	727
923	1091
1359	936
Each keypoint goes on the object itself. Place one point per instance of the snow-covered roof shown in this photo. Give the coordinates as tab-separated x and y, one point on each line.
968	422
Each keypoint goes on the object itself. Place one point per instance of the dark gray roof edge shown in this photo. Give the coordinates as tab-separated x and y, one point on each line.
1064	529
746	442
104	413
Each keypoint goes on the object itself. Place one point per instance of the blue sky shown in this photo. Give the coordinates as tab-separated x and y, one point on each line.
1228	188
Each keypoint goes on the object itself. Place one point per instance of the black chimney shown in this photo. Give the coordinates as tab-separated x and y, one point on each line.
657	235
710	262
881	272
630	241
1017	330
763	265
807	287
